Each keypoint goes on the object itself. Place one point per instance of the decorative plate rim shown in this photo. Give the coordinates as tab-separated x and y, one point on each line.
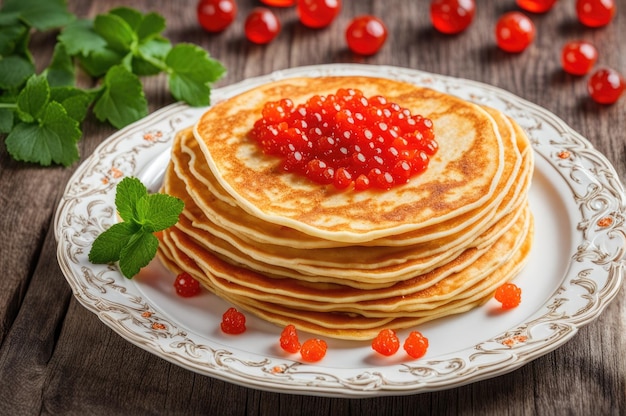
591	281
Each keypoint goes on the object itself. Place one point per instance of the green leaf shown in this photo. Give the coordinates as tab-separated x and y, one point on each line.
10	37
14	71
152	25
53	139
163	211
75	101
116	32
131	16
128	193
191	71
148	52
6	120
60	72
80	38
33	98
122	100
42	15
100	61
138	252
107	246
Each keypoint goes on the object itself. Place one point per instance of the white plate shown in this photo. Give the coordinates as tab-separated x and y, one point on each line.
576	265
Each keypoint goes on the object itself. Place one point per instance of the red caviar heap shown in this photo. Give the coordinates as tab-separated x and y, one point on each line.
347	139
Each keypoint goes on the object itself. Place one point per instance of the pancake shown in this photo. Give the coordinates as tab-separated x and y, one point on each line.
347	264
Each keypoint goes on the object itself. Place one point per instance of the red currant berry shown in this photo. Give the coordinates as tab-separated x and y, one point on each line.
536	6
318	13
216	15
279	3
606	86
509	295
366	35
452	16
595	13
578	57
233	322
289	339
261	25
386	342
416	345
514	32
313	349
186	286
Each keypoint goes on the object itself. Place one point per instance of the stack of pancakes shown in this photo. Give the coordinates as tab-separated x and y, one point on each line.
347	264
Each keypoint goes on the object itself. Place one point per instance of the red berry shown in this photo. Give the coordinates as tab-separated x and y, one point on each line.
318	13
186	286
289	339
606	86
279	3
452	16
386	342
261	25
313	349
366	35
233	322
578	57
509	295
216	15
595	13
416	345
514	32
536	6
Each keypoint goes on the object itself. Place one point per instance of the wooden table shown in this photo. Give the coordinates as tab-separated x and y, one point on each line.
58	358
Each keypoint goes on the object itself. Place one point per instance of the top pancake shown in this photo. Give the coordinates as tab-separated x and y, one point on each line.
462	176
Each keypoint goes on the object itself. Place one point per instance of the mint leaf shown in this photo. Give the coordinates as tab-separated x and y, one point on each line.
128	193
6	120
163	211
100	61
10	37
14	70
152	25
42	15
79	38
60	73
122	100
191	71
131	16
107	246
52	139
148	52
137	253
33	98
115	31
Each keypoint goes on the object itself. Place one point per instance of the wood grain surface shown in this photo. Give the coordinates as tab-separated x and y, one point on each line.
58	358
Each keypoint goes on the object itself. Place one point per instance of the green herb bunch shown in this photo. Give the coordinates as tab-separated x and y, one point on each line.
41	114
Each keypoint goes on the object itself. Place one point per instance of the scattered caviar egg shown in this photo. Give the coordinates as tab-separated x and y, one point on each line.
606	85
279	3
386	342
509	295
186	286
261	25
452	16
233	322
317	13
216	15
289	339
346	139
416	344
578	57
366	34
514	32
595	13
536	6
313	349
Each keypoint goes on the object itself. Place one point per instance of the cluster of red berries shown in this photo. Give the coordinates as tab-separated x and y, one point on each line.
365	34
387	343
347	139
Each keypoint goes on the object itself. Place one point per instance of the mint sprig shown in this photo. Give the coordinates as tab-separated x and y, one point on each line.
132	242
41	114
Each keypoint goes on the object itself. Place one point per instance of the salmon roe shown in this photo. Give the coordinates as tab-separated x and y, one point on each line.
346	139
509	295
